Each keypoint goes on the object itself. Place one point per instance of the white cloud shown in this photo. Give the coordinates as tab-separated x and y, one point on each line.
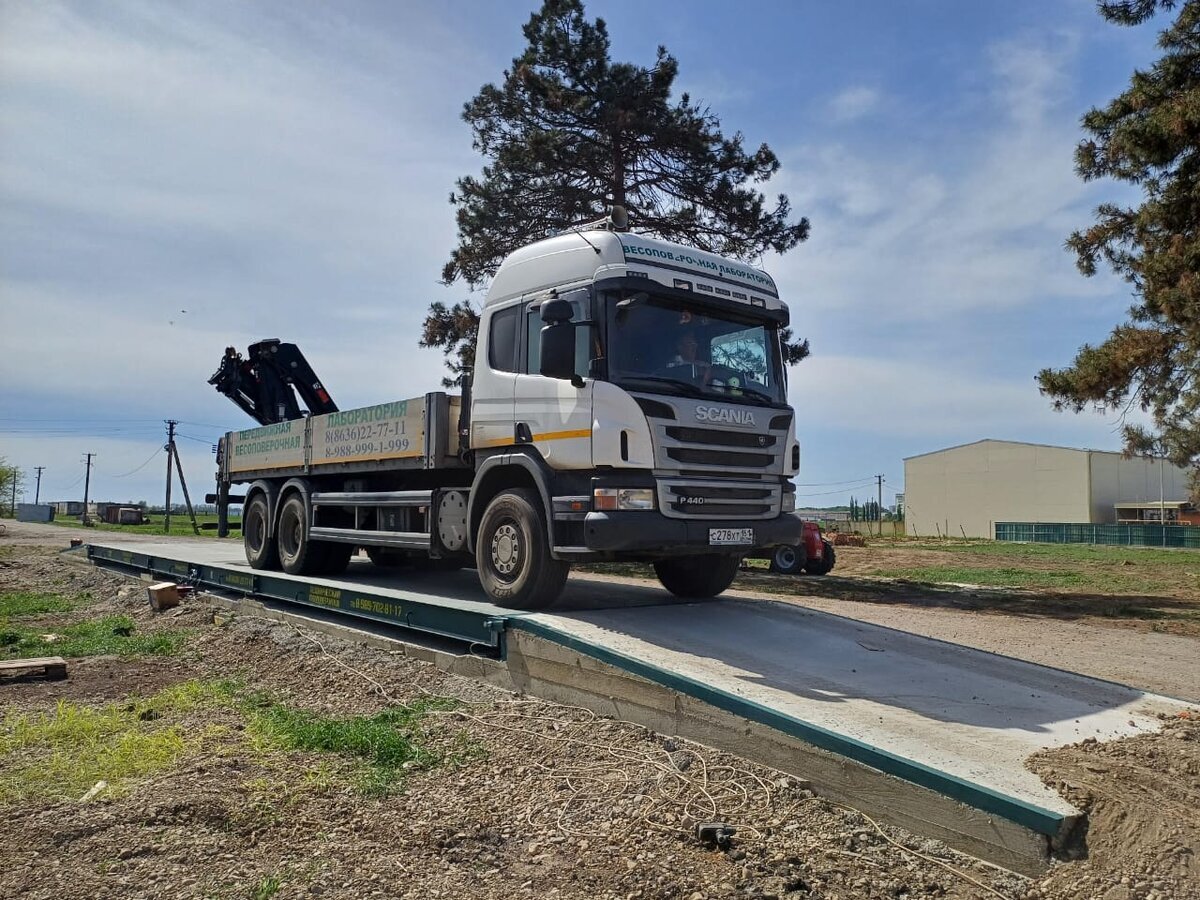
923	402
274	174
967	218
853	103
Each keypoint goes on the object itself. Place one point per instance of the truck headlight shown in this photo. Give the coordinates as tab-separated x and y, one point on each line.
622	498
789	503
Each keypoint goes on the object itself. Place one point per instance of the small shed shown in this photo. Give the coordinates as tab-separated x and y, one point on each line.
1172	512
35	512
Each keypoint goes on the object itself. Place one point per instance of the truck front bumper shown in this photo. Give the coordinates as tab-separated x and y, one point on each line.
644	531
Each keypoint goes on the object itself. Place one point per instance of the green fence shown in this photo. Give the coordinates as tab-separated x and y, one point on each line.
1120	535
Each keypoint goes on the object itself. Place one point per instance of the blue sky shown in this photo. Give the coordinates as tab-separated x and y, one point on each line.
178	177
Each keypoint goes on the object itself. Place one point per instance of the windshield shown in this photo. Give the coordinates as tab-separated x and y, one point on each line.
662	344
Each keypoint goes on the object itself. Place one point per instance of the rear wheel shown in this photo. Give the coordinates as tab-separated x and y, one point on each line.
824	565
788	559
391	559
513	553
697	577
298	553
385	558
336	558
428	564
261	552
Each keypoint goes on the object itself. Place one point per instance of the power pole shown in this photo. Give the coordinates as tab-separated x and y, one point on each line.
37	494
1162	503
879	504
170	448
15	473
183	484
87	485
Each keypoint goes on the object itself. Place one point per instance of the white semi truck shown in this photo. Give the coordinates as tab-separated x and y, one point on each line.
628	403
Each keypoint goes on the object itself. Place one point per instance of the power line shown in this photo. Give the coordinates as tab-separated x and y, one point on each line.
157	451
832	483
829	493
71	485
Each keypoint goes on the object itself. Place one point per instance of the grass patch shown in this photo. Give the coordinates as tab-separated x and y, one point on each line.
64	753
15	604
1087	553
267	887
387	742
1009	577
111	635
180	525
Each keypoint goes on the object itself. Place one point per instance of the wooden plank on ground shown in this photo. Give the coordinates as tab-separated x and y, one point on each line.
53	667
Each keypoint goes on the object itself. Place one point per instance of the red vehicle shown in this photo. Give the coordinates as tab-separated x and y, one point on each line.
814	554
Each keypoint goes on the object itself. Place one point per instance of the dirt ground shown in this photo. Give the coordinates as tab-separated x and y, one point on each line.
1136	588
525	798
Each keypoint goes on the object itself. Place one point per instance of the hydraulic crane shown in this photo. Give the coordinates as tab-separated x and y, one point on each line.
266	381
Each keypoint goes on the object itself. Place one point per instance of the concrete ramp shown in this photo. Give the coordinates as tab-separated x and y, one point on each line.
925	734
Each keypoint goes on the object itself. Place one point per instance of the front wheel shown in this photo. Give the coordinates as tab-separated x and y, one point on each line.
697	577
512	553
788	559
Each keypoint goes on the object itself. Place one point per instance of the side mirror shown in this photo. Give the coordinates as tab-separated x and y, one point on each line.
558	351
556	310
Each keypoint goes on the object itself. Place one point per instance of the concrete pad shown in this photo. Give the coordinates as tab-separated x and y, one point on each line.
973	715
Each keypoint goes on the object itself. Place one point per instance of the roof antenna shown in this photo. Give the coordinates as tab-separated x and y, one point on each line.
616	220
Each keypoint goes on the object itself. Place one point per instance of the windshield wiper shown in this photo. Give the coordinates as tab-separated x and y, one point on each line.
762	396
690	390
685	388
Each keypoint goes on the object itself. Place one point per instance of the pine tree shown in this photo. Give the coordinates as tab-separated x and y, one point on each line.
569	133
1149	136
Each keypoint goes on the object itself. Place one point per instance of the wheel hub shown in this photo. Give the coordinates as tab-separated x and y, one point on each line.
506	549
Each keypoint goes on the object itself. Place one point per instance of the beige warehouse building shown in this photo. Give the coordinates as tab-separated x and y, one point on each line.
967	489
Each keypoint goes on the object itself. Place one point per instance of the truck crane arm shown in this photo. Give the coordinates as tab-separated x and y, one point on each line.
265	383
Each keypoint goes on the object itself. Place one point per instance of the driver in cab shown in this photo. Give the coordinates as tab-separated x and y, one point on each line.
686	348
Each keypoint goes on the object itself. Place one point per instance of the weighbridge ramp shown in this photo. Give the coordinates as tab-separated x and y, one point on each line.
920	733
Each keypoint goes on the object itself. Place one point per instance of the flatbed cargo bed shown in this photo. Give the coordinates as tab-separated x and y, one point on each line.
421	433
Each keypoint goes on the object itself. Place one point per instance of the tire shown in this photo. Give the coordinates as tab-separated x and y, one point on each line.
298	553
697	577
824	565
513	553
385	558
261	551
429	564
788	559
336	557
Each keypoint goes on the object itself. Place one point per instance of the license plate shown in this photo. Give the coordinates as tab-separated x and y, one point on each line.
727	536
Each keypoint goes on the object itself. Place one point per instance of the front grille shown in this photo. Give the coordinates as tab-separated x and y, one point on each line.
712	499
712	438
725	511
719	492
699	457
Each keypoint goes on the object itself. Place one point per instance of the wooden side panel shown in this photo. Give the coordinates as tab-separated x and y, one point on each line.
276	446
387	431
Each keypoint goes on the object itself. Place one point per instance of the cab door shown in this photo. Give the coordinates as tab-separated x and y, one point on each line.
495	374
551	413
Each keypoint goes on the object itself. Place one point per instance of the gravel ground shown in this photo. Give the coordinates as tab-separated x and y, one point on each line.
536	800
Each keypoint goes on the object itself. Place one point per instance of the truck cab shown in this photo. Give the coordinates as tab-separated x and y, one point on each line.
640	384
